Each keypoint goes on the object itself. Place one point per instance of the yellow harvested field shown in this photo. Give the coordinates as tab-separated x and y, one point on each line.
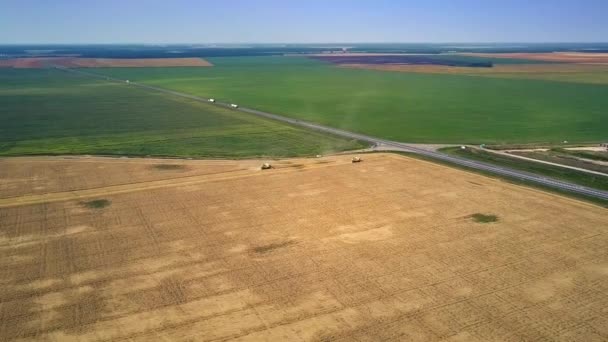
565	72
100	249
561	57
496	69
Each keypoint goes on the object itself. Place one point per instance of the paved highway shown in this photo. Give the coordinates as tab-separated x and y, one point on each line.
398	146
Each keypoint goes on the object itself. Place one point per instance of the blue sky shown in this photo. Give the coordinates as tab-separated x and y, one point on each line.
302	21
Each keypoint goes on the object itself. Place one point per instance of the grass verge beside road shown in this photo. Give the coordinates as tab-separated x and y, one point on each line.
555	172
593	155
565	158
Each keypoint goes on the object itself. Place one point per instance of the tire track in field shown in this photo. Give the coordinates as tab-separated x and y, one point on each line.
156	184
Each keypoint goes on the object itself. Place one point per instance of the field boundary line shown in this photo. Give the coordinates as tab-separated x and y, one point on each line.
150	185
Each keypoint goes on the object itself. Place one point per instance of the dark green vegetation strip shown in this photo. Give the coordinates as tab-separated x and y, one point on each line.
54	112
483	218
565	158
408	107
556	172
97	204
271	247
483	60
534	146
593	155
491	60
169	167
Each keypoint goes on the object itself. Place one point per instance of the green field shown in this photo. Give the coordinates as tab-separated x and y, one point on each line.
54	112
408	107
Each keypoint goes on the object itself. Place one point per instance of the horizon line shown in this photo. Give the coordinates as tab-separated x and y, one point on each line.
312	43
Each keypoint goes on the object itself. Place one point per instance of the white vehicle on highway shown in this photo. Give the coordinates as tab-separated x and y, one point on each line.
211	100
234	105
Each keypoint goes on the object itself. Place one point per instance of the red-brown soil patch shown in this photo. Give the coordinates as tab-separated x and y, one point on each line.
27	63
564	57
496	69
76	62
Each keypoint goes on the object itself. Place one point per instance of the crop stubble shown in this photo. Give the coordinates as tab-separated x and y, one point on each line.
311	250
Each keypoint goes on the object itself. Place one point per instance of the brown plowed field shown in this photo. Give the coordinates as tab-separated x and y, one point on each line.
578	73
564	57
27	63
77	62
313	250
496	69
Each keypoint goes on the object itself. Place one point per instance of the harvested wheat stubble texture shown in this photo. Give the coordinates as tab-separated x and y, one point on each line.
220	250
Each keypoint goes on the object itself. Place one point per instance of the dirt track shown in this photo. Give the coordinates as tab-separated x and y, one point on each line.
317	249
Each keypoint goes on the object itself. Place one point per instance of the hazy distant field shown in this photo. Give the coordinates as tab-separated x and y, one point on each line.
411	107
77	62
560	72
48	111
561	57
